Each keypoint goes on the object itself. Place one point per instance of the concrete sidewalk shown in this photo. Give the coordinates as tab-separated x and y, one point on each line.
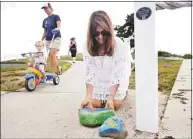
55	115
177	118
52	111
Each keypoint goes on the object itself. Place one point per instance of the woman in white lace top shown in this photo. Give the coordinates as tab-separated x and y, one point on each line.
107	64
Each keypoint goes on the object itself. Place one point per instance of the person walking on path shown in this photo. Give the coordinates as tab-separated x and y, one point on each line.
51	25
73	49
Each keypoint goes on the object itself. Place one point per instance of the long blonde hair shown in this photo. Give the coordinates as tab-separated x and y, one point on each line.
100	18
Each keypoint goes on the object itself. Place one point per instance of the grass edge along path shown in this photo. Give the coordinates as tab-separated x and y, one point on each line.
167	73
12	79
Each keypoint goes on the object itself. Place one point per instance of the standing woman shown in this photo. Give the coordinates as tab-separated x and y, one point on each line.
51	25
73	49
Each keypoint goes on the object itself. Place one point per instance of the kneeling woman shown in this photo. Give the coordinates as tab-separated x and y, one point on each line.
107	65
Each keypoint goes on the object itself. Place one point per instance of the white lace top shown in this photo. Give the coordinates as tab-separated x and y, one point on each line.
103	71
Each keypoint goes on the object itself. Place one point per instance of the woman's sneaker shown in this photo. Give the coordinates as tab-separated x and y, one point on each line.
59	72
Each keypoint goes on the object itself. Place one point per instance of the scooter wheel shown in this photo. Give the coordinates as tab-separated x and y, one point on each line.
56	80
30	84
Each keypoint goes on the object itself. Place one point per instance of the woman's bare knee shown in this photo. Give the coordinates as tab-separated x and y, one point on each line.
53	52
96	103
117	104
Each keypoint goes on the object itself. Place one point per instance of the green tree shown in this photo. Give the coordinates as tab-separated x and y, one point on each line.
164	54
187	56
167	54
127	29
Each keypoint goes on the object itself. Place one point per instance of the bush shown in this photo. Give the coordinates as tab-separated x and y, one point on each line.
167	54
187	56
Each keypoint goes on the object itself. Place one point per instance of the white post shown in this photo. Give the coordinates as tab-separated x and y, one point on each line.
146	68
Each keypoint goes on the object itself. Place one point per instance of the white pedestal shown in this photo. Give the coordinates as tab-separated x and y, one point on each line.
146	68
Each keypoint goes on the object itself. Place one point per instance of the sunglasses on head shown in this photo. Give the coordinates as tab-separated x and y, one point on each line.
103	33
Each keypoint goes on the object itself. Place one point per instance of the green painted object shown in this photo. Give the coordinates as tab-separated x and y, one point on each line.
94	118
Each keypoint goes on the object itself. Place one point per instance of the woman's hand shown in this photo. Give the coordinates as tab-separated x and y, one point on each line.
110	104
87	103
56	30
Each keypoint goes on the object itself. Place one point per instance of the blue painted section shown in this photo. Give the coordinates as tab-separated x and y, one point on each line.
112	125
29	75
96	109
49	76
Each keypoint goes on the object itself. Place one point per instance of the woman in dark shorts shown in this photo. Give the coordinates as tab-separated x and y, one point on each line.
73	49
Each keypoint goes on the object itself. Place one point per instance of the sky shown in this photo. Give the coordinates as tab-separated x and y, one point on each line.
21	25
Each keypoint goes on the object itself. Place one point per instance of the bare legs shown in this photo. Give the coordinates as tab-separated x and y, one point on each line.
97	103
53	59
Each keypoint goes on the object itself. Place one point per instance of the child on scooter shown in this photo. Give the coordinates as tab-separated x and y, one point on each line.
40	59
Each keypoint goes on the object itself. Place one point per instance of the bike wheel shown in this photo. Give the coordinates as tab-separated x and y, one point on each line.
30	84
56	80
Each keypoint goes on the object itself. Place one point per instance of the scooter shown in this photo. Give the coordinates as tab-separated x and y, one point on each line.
33	77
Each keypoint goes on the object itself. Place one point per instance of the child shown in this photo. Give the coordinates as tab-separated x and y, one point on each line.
40	59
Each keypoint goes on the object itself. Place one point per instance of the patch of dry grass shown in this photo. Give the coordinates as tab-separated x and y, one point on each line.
12	78
79	57
167	73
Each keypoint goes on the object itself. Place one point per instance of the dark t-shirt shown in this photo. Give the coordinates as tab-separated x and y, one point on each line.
73	47
49	24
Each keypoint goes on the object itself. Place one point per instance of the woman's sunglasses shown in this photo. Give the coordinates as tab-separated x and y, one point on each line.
103	33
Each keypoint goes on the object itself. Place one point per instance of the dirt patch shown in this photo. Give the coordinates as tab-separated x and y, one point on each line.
184	90
179	96
168	137
128	114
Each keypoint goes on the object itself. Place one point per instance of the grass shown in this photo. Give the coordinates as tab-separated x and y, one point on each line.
65	65
10	86
21	67
12	78
79	57
22	60
167	73
3	81
14	74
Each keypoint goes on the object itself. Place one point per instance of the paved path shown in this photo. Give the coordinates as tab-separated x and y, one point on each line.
52	111
177	117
